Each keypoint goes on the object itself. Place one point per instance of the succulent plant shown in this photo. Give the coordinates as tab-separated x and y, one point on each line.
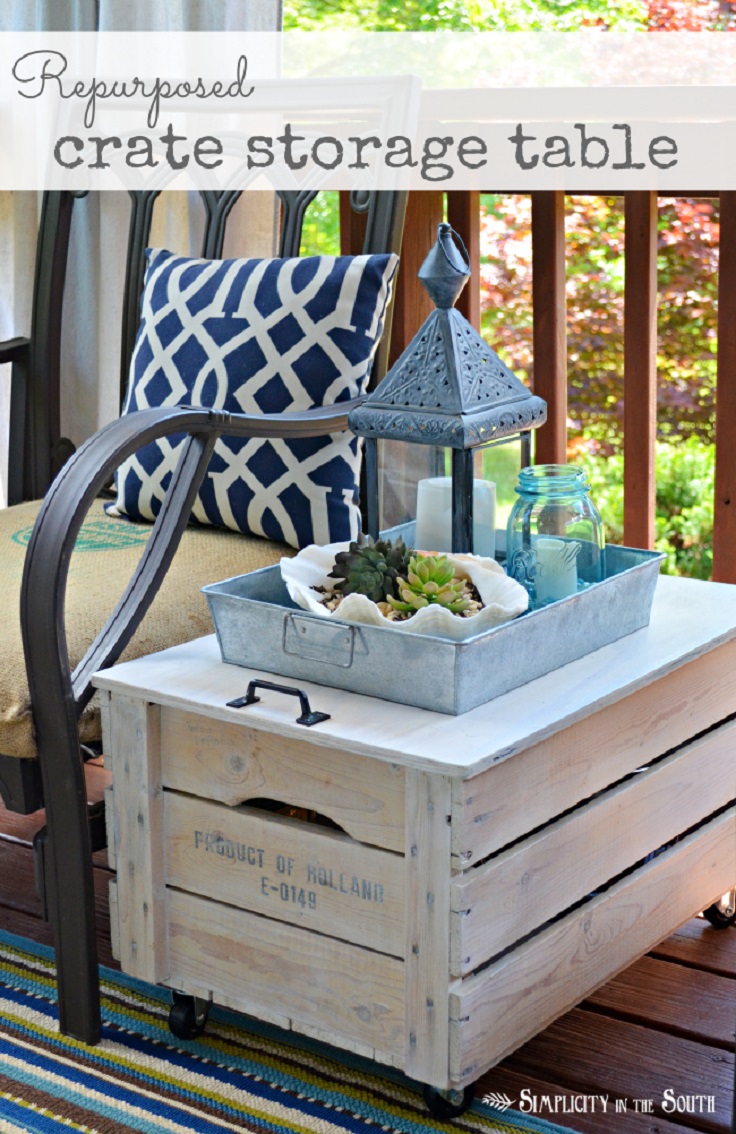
430	579
371	569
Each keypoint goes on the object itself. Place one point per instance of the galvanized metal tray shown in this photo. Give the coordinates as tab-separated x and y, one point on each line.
258	626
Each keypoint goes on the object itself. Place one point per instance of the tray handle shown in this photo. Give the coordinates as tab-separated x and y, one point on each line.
308	717
318	640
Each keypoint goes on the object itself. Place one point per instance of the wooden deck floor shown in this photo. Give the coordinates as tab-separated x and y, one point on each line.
664	1025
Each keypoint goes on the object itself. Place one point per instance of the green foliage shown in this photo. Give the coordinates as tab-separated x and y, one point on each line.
500	464
684	518
594	257
687	270
464	15
686	355
594	248
321	229
684	502
606	479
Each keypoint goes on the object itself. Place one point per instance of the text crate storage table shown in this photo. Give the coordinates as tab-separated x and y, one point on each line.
483	873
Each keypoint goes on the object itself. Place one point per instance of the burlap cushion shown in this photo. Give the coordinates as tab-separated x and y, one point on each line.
102	564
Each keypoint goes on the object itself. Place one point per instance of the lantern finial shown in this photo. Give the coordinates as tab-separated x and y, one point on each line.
446	269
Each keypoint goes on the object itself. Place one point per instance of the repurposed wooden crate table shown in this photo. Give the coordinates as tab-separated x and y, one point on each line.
481	873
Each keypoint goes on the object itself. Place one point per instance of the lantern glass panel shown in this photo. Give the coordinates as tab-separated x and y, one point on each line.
495	469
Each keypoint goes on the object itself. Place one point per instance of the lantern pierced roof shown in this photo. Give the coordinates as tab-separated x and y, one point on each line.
448	387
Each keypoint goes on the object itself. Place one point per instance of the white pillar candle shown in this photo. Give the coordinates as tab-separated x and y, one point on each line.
557	568
434	516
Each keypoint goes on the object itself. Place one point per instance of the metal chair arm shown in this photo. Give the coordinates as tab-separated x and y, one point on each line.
66	505
13	349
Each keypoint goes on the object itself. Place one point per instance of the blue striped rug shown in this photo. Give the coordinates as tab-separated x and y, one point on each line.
240	1075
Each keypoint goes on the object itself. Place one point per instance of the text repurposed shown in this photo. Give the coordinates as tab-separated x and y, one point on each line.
234	128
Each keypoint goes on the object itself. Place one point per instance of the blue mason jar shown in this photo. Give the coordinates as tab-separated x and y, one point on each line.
554	539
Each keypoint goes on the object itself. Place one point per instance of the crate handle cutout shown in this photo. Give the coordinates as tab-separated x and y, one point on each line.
308	717
315	639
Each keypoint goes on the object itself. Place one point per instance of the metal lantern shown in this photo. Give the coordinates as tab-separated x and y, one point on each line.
448	389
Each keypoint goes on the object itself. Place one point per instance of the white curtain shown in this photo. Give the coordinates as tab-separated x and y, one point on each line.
93	297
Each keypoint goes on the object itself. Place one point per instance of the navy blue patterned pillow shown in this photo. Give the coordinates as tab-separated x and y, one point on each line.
257	336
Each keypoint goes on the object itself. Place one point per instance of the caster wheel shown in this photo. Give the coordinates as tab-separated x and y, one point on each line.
448	1104
187	1016
722	914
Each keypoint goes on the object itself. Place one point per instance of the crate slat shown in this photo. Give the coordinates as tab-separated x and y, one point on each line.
539	783
135	742
286	869
112	839
114	920
348	991
232	763
543	876
427	939
501	1007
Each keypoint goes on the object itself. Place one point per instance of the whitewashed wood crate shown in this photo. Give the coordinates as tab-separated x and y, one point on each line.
489	872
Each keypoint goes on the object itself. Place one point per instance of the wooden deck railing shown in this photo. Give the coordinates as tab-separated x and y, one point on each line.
640	341
724	520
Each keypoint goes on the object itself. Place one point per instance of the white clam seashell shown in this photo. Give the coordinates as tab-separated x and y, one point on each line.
503	598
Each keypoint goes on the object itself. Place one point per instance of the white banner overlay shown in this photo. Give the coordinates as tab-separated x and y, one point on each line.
518	111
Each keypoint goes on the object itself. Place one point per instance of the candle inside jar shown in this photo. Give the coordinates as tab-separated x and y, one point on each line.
557	570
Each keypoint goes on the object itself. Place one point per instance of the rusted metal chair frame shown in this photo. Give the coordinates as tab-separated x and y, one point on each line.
58	696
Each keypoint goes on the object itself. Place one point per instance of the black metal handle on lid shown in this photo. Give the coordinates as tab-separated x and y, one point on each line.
308	717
